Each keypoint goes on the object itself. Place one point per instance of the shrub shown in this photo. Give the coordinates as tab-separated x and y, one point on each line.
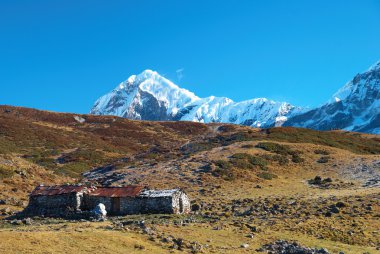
281	159
319	181
274	147
240	156
243	160
224	170
347	141
242	163
321	151
6	172
195	207
323	159
297	159
281	150
262	163
222	164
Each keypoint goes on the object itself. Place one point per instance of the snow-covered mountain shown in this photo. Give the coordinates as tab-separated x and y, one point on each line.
149	96
355	107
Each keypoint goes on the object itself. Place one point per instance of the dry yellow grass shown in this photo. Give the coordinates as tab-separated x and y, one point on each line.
221	226
75	239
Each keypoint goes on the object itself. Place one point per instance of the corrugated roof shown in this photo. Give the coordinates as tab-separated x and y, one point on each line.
158	193
126	191
56	190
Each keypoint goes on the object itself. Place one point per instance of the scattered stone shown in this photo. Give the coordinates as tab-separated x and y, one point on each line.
27	221
285	247
16	222
244	246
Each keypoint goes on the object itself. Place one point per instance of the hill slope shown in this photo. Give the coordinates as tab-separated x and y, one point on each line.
247	186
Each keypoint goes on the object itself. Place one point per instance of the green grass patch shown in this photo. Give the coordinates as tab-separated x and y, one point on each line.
280	159
283	150
6	172
248	161
343	140
224	170
321	151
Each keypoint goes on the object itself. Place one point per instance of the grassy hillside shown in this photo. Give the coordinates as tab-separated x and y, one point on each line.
248	186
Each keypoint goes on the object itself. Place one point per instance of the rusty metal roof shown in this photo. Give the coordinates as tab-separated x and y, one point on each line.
159	193
125	191
56	190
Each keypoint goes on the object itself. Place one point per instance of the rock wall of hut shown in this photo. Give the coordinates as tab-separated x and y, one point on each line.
82	202
54	205
177	203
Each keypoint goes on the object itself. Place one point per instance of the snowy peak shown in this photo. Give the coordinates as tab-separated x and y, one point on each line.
375	67
149	96
361	85
127	99
354	107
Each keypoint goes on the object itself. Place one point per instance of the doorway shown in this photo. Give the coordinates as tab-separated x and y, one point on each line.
115	205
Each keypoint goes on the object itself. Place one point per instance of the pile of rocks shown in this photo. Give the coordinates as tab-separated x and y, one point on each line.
285	247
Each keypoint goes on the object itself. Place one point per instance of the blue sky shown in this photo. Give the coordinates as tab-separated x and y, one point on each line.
63	55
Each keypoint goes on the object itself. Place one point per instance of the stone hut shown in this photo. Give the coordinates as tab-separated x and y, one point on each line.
58	201
55	201
137	200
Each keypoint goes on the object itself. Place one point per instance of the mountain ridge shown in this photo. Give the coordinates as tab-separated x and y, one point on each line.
149	96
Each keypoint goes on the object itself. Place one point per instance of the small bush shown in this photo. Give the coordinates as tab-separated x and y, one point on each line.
266	175
6	172
262	163
195	207
240	156
297	159
244	160
281	159
321	151
222	164
241	163
274	147
281	150
224	170
319	181
323	159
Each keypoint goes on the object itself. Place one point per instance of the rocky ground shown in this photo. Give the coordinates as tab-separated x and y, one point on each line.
281	190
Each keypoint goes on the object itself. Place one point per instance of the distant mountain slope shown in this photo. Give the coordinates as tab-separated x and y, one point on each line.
355	107
149	96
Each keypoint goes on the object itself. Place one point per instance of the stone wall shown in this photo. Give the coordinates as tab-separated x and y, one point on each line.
176	203
61	205
90	202
54	205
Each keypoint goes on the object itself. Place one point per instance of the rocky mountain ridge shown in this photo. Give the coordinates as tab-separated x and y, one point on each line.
149	96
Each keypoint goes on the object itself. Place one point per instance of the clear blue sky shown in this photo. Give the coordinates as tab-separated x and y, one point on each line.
63	55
